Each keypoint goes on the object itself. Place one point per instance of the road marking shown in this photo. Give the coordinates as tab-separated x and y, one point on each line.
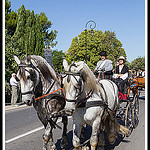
24	134
29	132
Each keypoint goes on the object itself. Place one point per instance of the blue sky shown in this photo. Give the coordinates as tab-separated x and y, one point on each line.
125	17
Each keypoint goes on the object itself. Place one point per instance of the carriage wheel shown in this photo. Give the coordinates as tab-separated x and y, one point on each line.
135	111
128	117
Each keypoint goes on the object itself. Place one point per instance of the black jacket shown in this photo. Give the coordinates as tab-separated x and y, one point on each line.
124	70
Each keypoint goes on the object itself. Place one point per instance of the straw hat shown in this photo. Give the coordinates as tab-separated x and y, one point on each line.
121	57
13	74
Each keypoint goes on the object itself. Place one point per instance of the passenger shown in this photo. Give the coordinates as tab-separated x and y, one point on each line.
120	77
140	73
104	65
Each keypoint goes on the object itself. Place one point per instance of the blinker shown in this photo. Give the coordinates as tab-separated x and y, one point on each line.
68	78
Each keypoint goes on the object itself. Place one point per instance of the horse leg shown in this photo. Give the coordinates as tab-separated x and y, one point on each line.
47	137
111	129
82	133
94	135
101	142
64	141
76	135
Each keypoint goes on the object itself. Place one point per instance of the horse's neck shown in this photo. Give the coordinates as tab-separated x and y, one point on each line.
49	85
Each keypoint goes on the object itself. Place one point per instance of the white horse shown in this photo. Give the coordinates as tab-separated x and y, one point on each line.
101	103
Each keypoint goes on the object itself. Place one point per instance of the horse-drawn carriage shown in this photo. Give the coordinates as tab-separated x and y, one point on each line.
79	94
128	111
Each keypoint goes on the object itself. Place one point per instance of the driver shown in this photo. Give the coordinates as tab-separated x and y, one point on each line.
104	65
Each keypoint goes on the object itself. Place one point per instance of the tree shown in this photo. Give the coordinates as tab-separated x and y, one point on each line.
30	33
10	65
18	39
39	38
138	62
25	33
28	37
10	18
95	44
57	60
48	37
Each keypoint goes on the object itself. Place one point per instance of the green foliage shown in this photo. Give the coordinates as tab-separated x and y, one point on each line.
138	62
95	44
39	38
48	37
25	33
128	64
57	60
10	65
10	18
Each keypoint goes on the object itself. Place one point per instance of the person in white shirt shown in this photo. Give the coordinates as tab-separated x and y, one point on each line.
14	85
140	73
104	65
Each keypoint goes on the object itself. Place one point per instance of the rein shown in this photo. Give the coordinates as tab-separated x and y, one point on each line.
49	94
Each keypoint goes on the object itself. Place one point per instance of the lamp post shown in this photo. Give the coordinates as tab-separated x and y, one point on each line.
92	26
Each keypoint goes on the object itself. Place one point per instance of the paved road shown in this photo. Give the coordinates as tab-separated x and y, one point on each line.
23	130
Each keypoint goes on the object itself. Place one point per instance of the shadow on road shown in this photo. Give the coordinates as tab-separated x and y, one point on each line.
87	133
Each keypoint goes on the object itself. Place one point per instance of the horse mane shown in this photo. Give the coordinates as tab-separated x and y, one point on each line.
45	68
89	78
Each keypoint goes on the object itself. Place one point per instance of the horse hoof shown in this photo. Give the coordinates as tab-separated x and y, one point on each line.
112	140
53	147
85	148
129	133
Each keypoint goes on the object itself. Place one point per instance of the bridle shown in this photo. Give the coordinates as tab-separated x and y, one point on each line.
33	91
33	67
74	74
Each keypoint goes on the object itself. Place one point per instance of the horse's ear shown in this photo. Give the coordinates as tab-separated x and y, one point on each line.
28	58
80	66
65	64
17	59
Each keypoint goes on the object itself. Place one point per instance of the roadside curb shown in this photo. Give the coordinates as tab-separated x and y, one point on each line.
10	107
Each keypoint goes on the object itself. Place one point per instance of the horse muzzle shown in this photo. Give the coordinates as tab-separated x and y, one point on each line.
28	99
28	102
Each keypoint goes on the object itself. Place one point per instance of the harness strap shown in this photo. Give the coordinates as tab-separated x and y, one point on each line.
104	92
96	103
29	92
85	98
50	88
49	94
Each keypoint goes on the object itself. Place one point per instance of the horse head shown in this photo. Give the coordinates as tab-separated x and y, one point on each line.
29	77
73	84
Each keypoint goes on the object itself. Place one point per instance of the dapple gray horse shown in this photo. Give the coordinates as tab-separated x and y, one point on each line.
37	78
101	103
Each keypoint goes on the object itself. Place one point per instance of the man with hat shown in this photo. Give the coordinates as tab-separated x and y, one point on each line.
140	73
104	65
14	85
120	77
